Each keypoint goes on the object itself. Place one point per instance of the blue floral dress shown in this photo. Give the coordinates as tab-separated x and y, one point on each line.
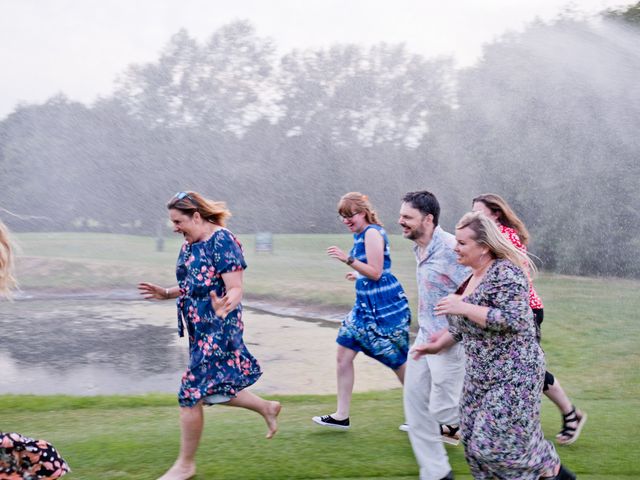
219	363
500	405
378	324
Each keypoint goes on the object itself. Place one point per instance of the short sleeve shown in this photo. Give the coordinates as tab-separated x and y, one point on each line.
227	253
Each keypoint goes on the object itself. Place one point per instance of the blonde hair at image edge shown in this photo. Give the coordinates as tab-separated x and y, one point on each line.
356	202
486	233
7	280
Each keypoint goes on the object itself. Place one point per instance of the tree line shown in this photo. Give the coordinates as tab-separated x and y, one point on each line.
547	118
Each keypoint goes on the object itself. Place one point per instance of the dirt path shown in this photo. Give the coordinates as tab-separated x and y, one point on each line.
299	357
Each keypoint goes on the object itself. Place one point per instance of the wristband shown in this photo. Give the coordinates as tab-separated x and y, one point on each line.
350	260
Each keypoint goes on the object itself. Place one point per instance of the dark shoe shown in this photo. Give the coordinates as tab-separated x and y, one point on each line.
450	434
449	476
569	434
563	474
329	421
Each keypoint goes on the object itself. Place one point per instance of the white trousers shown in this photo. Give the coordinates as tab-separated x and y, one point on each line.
432	388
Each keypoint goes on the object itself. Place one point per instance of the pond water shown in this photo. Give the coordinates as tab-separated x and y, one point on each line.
87	347
118	344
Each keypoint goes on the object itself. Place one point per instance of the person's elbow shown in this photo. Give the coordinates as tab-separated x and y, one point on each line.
376	275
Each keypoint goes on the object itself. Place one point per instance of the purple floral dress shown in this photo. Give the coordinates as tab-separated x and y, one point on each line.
500	406
220	364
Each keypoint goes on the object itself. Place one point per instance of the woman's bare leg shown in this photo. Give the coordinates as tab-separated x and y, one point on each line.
345	375
268	409
191	424
400	372
557	395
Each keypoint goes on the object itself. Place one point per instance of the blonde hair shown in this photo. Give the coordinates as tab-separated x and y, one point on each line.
190	202
506	215
356	202
486	233
7	280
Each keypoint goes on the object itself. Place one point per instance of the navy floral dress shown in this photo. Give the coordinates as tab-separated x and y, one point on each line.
500	405
219	363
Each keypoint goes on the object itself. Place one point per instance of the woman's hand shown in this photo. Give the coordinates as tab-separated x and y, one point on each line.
429	348
437	342
233	296
435	336
338	253
451	304
353	276
221	305
151	291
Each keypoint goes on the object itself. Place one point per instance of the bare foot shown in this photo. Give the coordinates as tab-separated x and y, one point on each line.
271	417
179	472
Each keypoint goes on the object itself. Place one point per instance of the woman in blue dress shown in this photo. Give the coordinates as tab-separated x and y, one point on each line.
209	271
378	324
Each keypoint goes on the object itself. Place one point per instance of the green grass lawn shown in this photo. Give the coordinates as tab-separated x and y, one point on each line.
138	437
590	336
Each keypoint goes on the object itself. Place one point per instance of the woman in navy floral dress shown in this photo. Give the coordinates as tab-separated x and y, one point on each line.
209	271
378	324
490	314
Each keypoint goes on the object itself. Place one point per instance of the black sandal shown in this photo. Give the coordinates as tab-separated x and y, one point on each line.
563	474
569	434
450	434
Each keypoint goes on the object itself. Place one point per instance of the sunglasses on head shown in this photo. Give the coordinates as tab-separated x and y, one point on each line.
182	195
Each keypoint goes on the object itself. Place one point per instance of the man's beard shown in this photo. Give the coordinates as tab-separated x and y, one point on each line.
414	234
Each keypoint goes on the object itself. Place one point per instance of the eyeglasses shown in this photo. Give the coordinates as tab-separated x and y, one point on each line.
342	218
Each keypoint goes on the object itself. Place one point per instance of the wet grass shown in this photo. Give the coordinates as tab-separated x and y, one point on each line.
590	336
298	269
138	437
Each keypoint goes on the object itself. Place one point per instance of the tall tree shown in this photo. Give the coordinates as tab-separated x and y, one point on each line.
547	119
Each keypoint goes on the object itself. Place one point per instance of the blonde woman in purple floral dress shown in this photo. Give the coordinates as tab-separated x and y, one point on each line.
209	271
490	315
23	457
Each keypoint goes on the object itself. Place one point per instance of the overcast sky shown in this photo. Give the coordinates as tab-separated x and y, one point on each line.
78	47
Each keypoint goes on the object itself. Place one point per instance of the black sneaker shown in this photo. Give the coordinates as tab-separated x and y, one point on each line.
449	476
329	421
